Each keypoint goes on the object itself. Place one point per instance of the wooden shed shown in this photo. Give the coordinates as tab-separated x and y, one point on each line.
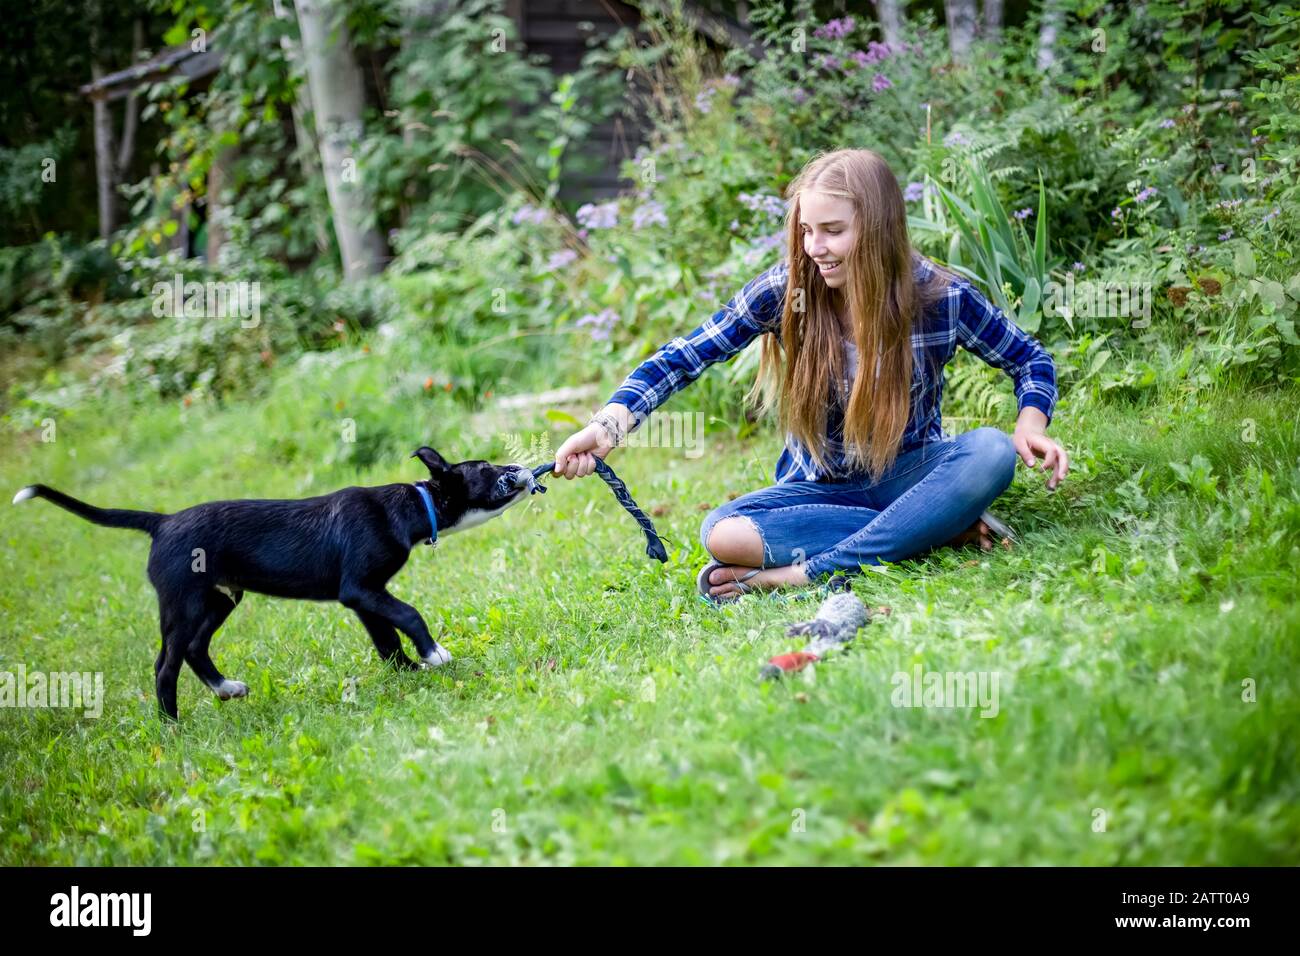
562	30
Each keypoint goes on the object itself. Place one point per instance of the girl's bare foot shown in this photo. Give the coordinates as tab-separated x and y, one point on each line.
722	580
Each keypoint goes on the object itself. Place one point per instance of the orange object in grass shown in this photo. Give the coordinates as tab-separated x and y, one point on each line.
794	661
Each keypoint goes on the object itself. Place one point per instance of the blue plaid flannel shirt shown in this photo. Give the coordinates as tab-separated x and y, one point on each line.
963	316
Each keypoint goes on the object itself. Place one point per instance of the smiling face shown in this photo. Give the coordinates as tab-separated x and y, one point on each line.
830	229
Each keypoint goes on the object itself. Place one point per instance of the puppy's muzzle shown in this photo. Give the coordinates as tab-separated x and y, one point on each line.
516	480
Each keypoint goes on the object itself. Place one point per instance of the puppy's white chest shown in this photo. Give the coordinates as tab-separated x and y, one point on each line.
473	518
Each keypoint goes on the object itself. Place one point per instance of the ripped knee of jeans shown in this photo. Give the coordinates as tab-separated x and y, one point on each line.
730	556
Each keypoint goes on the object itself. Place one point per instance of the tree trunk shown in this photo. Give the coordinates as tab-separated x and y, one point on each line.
1047	30
112	162
337	95
131	120
992	31
105	180
308	157
218	179
961	27
890	15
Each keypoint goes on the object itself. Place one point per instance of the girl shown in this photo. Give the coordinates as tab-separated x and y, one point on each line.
857	326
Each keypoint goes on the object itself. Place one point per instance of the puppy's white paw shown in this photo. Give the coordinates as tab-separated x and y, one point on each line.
439	656
228	689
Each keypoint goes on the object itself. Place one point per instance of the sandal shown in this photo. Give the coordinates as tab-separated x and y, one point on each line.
998	526
835	584
702	584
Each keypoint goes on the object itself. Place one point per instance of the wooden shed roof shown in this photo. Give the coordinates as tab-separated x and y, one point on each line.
182	59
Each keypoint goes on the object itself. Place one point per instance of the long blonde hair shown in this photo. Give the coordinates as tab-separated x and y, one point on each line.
798	369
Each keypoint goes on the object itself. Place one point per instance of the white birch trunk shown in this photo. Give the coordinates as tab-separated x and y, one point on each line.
1047	30
992	28
890	15
961	28
337	95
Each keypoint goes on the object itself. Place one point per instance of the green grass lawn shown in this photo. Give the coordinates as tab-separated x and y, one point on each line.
597	712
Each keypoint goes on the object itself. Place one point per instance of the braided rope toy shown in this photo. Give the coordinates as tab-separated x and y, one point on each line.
654	546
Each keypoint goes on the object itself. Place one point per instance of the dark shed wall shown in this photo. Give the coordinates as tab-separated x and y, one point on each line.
560	30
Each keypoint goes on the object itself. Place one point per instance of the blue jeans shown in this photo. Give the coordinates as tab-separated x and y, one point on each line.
927	497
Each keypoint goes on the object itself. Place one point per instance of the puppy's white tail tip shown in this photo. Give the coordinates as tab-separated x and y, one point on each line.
24	494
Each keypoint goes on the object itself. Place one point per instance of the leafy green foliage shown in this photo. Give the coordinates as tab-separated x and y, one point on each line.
1012	269
457	88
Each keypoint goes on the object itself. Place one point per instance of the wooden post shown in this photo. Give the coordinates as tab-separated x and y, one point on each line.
219	177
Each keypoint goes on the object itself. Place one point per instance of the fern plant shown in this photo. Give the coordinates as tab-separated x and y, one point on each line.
976	393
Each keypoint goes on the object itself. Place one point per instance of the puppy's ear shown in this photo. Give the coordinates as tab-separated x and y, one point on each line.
432	460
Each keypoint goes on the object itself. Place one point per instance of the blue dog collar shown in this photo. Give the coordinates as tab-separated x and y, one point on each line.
433	515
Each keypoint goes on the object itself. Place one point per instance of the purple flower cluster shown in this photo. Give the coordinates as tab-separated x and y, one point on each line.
603	216
879	52
835	29
763	202
1167	124
955	139
874	53
1145	194
650	214
560	259
913	192
1023	214
1225	236
600	324
704	100
1078	267
530	214
880	83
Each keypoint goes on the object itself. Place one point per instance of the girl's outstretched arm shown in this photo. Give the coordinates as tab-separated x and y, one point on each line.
753	310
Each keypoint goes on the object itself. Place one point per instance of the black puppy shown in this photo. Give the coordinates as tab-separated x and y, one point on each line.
339	547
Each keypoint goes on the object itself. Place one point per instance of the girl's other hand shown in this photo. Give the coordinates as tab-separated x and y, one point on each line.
1031	442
